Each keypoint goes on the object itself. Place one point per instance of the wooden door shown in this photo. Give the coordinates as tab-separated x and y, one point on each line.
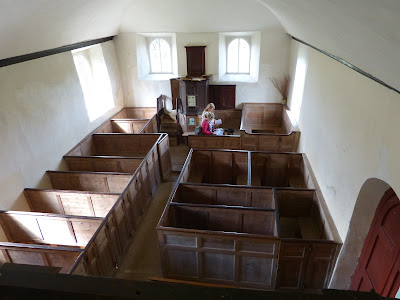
223	96
379	264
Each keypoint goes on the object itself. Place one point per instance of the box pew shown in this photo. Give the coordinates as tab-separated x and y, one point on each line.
235	246
103	144
103	163
70	202
62	257
279	170
309	243
123	126
268	127
230	119
108	246
136	113
224	195
48	229
101	182
216	167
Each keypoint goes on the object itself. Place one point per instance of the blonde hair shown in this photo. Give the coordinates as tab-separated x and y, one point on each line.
208	115
209	108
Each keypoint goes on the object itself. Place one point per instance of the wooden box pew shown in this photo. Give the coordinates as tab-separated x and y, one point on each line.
280	170
102	182
105	252
268	127
309	242
216	167
136	113
217	195
233	246
103	144
103	163
123	126
48	229
70	202
230	119
61	257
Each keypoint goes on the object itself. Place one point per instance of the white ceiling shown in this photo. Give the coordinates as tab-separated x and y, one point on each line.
196	16
366	33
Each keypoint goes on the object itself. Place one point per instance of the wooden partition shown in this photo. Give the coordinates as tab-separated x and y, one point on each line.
309	244
103	163
268	127
204	225
50	229
70	202
233	246
102	182
217	167
279	170
123	126
62	257
225	195
108	246
136	113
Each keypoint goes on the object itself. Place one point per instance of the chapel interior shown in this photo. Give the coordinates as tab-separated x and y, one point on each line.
102	175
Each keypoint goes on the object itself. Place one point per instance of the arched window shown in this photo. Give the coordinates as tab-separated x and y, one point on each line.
238	58
160	56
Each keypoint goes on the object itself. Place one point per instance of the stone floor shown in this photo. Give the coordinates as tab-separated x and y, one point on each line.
143	258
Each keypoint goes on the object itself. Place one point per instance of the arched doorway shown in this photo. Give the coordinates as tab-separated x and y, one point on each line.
378	268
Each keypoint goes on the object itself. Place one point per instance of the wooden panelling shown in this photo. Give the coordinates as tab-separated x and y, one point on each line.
128	126
223	96
164	157
103	164
70	202
86	181
41	255
214	142
150	126
218	167
222	195
278	170
200	218
129	145
221	245
42	228
136	113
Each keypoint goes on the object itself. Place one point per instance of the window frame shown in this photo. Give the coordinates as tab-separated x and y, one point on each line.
229	40
150	42
254	40
144	69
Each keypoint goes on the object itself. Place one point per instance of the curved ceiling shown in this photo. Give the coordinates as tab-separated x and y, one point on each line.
31	26
366	33
197	16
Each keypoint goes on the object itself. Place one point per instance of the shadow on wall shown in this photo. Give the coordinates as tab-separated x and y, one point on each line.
368	199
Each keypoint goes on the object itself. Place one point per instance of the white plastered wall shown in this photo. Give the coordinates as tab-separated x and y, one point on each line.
349	131
275	49
42	116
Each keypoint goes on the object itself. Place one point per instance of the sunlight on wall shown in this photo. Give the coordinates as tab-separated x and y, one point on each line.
94	79
299	80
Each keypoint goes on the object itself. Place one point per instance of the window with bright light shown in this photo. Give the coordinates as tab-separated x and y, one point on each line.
95	81
239	56
160	56
238	60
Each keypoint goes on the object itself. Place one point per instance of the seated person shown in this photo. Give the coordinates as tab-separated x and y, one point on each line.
211	108
206	126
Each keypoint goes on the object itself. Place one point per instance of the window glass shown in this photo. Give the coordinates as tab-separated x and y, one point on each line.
160	56
238	60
